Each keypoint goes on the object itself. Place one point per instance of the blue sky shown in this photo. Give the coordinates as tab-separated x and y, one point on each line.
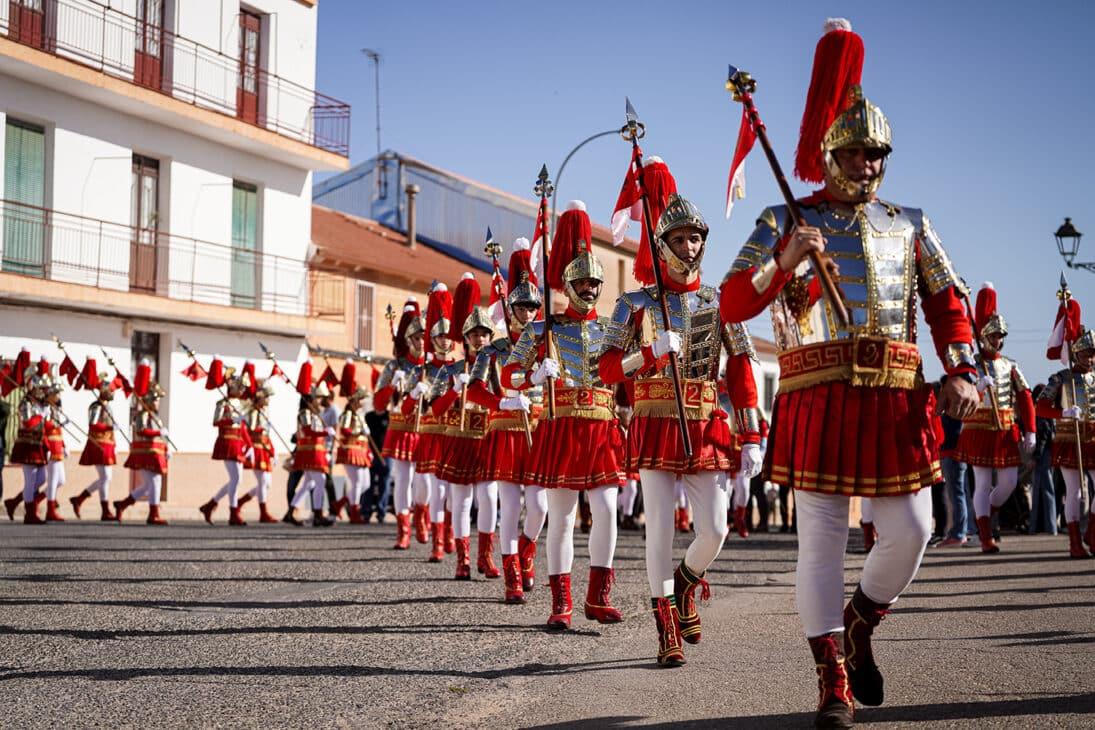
991	105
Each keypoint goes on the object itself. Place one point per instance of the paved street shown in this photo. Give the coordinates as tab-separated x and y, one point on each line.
127	626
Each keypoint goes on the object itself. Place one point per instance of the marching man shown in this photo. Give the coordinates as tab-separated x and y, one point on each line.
55	442
354	453
148	453
262	456
311	455
99	451
696	334
30	449
572	448
233	444
851	416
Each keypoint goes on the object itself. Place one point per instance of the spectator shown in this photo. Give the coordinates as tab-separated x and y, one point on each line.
375	500
1043	502
954	477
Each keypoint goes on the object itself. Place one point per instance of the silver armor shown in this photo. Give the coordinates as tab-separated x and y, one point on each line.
1068	388
1008	381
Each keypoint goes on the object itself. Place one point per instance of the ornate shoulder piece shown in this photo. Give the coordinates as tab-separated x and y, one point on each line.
524	351
480	371
1017	377
735	336
935	267
386	374
620	329
707	293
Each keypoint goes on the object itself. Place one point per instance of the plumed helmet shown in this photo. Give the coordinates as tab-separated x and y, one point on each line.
523	284
988	320
479	318
679	213
465	300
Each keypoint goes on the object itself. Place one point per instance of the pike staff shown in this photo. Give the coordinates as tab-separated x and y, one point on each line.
1065	295
544	188
494	250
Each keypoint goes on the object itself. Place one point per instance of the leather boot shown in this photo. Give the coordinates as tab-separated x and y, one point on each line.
463	558
984	532
485	562
338	506
122	505
450	540
437	554
10	504
1075	544
154	517
319	520
52	515
30	514
870	535
354	512
682	519
290	518
598	606
511	570
526	552
402	532
264	514
1090	538
78	501
739	522
39	497
106	515
207	510
243	500
561	605
835	706
235	519
670	648
861	616
628	523
685	583
421	523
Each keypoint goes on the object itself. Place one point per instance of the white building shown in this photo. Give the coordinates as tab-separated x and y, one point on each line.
156	171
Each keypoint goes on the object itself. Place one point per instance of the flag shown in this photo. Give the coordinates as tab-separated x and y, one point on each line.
735	185
68	369
121	383
275	371
629	205
329	377
496	303
194	371
539	238
1066	329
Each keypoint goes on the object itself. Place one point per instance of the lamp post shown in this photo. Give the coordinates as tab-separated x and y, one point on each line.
559	173
1068	245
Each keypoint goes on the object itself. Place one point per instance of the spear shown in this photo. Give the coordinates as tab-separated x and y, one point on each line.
80	377
1064	295
140	403
372	443
544	188
996	420
56	408
633	131
742	86
494	250
423	378
273	358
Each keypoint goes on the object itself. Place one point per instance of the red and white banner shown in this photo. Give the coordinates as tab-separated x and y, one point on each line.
735	185
1066	329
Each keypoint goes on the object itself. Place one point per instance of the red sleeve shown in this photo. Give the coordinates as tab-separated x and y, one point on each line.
382	398
949	324
246	433
409	404
739	300
445	402
481	396
742	389
1026	411
1047	409
512	369
610	365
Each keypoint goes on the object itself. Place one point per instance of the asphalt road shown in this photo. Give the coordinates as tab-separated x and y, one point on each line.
190	625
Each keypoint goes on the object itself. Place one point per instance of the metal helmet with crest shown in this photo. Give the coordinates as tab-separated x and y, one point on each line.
410	324
438	315
988	320
1085	342
679	213
572	257
465	314
523	285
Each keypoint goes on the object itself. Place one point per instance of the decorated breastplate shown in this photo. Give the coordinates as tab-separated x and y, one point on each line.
577	348
695	317
1078	391
1000	371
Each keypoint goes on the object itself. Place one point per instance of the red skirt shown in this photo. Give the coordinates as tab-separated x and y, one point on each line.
503	456
400	445
230	445
1062	453
262	458
573	453
311	453
354	453
988	447
427	453
148	454
99	449
654	442
460	463
837	438
55	441
29	448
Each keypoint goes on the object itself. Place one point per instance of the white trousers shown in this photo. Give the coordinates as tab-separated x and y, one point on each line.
423	487
33	477
149	487
314	482
357	479
904	526
628	495
679	492
402	478
55	477
562	505
231	487
461	509
741	490
536	510
102	482
986	496
486	498
708	502
439	495
1074	495
261	490
866	510
509	525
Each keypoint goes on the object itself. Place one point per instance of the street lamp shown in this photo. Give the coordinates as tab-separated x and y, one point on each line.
1068	245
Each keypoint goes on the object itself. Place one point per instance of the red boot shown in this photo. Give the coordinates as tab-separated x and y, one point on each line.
1075	544
78	501
437	554
682	519
235	519
421	523
485	562
338	506
30	514
52	515
402	532
354	512
984	532
526	552
463	558
870	535
11	504
106	515
511	570
154	517
861	616
450	541
740	523
122	505
561	605
243	500
264	515
685	583
835	706
670	648
207	510
598	606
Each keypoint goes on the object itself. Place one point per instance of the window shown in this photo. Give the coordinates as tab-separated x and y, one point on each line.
247	90
245	235
366	295
144	216
25	194
769	391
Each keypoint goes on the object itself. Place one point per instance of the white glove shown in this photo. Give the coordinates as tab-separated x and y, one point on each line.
398	377
517	402
547	369
1071	412
665	343
1029	440
419	390
751	460
984	383
460	382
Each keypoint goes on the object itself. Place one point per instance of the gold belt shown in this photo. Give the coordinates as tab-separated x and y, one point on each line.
983	420
596	404
874	362
655	398
475	425
511	420
398	422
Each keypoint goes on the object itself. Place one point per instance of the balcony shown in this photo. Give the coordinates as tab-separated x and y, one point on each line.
62	247
151	58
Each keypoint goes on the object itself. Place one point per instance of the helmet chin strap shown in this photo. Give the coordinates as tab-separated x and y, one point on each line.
675	264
